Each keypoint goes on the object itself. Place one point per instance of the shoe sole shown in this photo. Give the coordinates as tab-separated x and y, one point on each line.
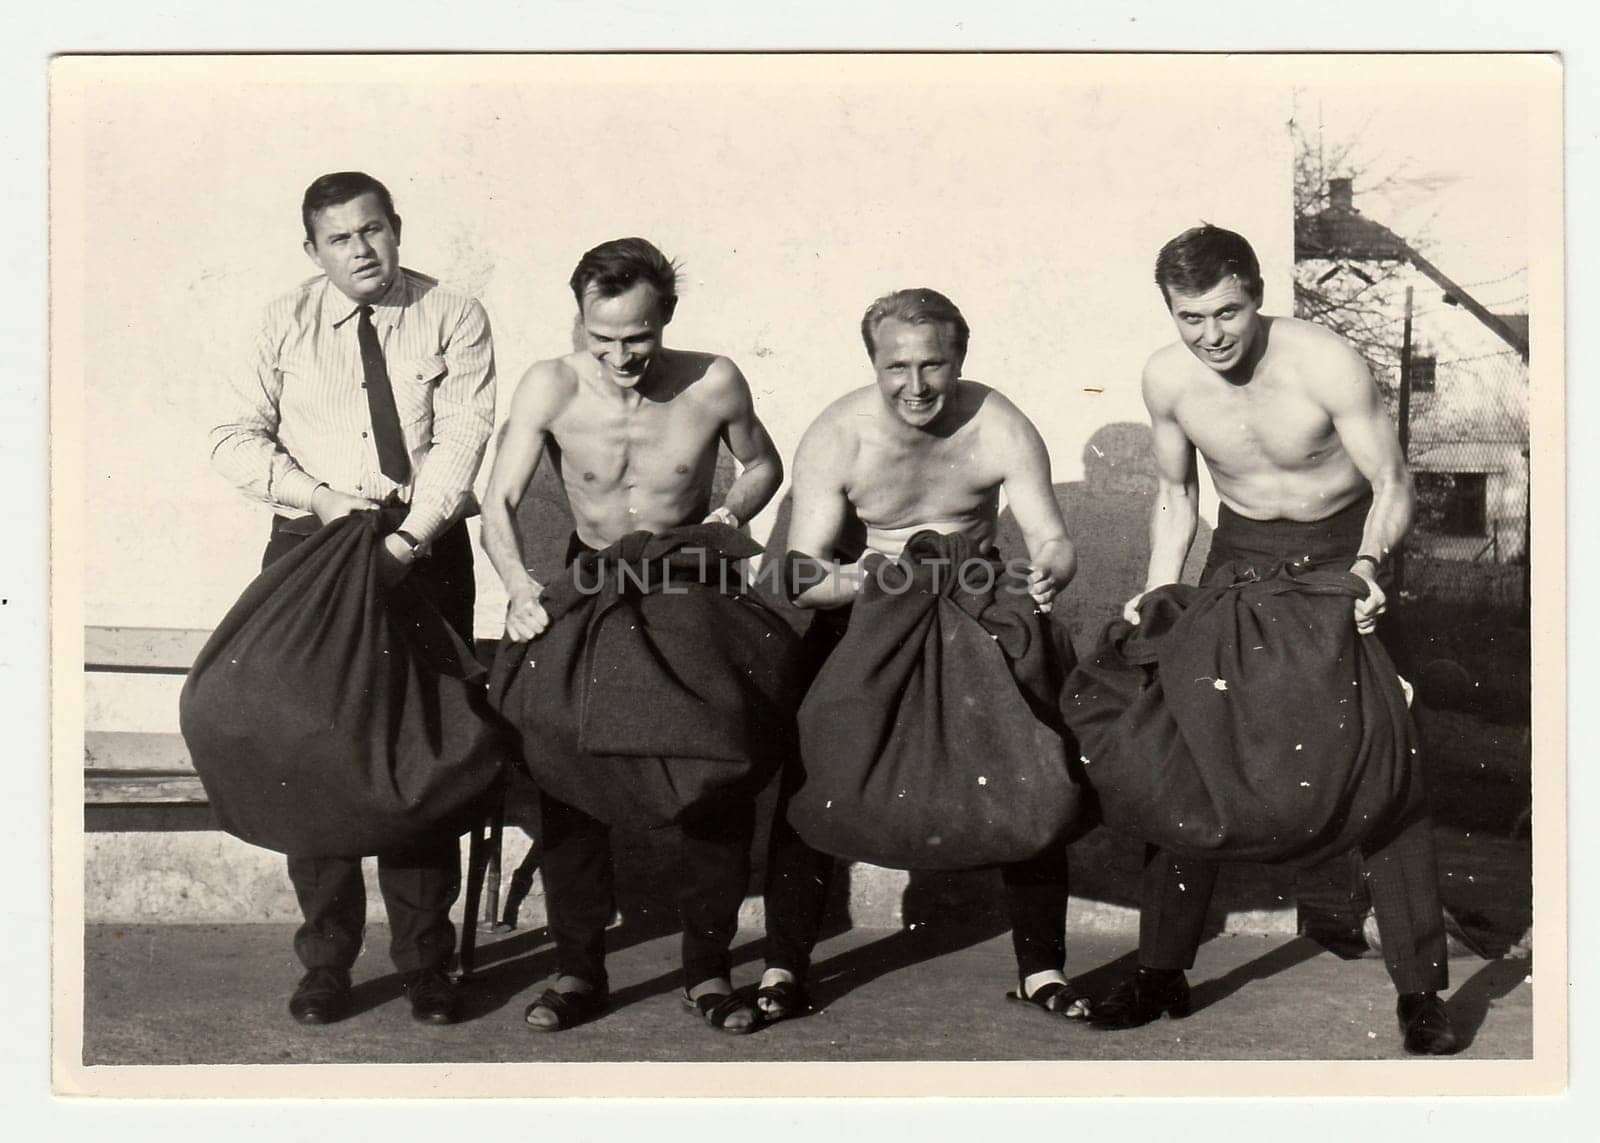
1173	1012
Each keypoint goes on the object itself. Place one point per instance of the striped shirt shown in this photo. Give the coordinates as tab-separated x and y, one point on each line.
302	416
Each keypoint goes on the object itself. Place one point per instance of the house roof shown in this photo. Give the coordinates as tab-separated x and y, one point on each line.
1341	232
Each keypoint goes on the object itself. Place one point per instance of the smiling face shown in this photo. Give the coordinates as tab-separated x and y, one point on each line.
917	367
623	333
357	246
1220	325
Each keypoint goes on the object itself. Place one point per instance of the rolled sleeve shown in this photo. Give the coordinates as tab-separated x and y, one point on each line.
463	418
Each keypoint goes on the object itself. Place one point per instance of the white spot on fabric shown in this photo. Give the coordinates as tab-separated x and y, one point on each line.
1220	685
982	781
1307	785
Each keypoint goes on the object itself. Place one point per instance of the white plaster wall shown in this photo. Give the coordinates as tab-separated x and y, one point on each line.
1034	190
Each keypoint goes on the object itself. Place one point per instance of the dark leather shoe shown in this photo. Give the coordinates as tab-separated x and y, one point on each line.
433	996
321	997
1426	1025
1147	995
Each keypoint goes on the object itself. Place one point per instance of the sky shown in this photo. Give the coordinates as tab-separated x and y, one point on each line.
1458	159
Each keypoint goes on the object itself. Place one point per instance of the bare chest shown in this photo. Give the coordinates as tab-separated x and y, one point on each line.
1257	426
654	445
894	486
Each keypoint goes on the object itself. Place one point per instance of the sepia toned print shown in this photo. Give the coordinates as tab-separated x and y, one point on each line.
790	191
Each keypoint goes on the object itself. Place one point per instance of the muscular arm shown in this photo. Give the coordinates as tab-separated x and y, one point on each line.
1033	503
760	467
1176	512
522	443
1346	390
822	512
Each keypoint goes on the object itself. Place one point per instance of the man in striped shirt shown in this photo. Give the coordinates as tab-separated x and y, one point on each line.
311	439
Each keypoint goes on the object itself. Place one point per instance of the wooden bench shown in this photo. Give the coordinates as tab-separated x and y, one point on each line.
136	780
145	781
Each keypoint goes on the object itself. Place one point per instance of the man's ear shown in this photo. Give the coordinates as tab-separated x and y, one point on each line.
394	224
668	307
310	248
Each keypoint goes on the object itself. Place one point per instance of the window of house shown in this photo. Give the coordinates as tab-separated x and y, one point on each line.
1452	503
1423	371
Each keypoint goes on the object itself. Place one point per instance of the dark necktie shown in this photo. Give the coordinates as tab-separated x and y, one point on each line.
393	459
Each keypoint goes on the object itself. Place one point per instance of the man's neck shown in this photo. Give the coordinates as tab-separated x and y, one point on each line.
1244	372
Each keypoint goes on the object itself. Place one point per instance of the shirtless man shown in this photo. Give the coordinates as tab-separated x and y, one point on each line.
633	428
921	449
1307	466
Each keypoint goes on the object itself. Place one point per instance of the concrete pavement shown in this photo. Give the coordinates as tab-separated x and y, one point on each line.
187	994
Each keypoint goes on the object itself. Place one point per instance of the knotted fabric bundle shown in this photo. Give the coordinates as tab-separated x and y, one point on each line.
660	683
329	716
1246	720
931	737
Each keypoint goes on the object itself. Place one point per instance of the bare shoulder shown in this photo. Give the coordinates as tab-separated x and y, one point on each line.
1329	367
833	440
1164	374
1313	348
712	378
546	387
993	412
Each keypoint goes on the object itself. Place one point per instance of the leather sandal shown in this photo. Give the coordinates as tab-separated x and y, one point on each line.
1056	999
783	1000
715	1008
570	1008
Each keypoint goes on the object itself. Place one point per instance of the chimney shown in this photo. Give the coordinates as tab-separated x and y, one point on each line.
1340	195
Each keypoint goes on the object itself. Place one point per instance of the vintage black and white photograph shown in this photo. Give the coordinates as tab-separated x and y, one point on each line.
794	559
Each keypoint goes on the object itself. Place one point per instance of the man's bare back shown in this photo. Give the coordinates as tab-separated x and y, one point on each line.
1270	442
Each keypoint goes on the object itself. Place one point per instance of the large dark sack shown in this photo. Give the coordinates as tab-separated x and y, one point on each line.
328	716
1246	720
931	737
660	683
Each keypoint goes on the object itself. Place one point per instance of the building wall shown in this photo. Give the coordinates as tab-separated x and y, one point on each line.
1475	417
1034	190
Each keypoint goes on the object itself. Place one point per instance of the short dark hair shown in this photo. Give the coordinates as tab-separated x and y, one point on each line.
614	267
1202	256
342	186
917	306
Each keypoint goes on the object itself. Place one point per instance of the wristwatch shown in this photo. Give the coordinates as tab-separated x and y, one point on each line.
410	541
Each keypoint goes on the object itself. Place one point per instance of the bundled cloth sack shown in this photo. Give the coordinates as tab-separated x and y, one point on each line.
329	716
660	684
1246	720
931	737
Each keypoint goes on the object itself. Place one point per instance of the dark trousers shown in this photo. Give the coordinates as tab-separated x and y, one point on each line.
420	884
799	877
1399	866
579	879
580	899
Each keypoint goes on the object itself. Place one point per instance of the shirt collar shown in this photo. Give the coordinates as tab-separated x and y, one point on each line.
338	309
